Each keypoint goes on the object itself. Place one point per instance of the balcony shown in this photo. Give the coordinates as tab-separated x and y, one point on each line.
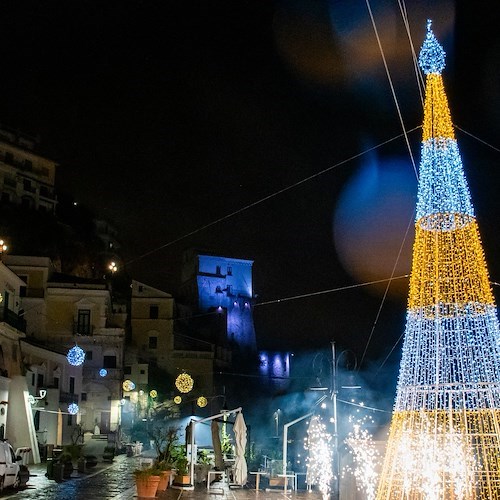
82	329
12	319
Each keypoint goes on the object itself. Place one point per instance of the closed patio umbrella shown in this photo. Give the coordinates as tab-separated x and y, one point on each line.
240	463
219	462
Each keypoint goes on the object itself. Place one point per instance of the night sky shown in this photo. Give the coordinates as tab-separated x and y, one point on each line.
167	116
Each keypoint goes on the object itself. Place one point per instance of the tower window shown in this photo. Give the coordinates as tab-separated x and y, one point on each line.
153	312
153	342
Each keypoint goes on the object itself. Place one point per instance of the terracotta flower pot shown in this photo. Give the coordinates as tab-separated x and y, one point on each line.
164	480
147	486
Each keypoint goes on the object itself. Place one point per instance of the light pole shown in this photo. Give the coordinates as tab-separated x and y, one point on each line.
336	464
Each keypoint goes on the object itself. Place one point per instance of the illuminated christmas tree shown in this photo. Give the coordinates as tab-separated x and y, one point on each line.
444	440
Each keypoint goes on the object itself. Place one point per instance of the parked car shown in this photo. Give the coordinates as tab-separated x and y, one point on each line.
12	472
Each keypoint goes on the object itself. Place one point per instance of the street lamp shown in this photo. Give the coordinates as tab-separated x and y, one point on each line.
3	248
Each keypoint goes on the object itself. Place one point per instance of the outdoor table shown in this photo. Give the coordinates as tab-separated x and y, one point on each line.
293	477
257	475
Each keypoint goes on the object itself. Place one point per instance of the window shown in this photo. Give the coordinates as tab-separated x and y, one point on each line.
56	382
143	372
217	269
153	342
33	379
127	370
153	312
83	322
36	420
141	288
71	385
39	380
109	362
229	270
70	420
84	396
88	355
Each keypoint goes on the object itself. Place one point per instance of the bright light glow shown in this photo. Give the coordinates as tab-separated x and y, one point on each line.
365	457
177	400
184	383
319	461
76	356
113	267
73	409
444	440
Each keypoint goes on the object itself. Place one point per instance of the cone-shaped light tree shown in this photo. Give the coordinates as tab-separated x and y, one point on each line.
444	440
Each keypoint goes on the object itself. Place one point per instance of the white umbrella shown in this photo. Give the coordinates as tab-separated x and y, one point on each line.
240	464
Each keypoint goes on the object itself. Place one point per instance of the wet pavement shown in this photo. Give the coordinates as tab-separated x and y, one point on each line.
116	481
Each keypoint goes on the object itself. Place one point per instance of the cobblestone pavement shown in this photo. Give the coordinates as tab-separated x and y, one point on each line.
116	481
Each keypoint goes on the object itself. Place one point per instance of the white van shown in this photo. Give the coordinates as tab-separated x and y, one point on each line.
10	467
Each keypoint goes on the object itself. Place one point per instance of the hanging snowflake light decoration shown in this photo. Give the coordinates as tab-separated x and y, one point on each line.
128	385
76	356
73	409
184	382
202	401
153	393
103	372
177	400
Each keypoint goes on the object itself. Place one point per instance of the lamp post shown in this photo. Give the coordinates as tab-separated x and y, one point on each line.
336	464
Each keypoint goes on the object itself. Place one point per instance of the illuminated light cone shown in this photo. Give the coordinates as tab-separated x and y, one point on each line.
444	440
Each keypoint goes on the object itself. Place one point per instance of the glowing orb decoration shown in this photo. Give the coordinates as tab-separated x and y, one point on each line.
103	372
202	401
73	409
76	356
128	385
177	400
153	393
184	383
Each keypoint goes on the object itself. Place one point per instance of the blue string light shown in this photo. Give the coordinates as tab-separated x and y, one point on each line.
432	55
76	356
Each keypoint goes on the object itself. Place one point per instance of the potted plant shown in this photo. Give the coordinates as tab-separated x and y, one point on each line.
182	476
66	460
166	471
146	482
108	454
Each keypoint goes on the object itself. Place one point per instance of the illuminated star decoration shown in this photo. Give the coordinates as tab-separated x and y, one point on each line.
103	372
184	383
319	461
73	409
444	440
76	356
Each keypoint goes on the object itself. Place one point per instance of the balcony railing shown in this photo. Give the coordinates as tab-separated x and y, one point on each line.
12	319
82	329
